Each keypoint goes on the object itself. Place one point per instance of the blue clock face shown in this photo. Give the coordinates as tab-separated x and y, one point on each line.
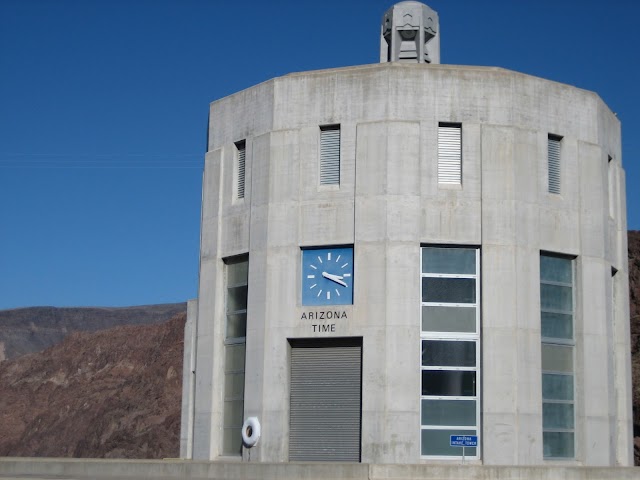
327	276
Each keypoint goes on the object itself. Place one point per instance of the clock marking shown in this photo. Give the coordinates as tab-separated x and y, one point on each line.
327	272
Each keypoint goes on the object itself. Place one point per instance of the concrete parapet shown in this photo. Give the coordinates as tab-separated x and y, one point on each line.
97	469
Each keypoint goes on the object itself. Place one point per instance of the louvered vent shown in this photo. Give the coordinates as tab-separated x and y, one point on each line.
325	402
241	154
450	154
554	163
330	155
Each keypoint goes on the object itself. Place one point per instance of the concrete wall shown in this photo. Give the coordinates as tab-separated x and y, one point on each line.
387	205
81	469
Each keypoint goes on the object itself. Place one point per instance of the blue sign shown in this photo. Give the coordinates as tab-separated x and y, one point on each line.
463	441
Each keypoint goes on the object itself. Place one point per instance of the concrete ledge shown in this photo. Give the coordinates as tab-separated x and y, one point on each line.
98	469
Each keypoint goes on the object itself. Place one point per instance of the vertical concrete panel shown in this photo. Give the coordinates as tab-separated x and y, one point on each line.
257	295
594	213
510	308
208	402
188	380
388	259
622	370
499	330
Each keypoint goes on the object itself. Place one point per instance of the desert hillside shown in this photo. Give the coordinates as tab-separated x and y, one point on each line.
32	329
634	311
110	394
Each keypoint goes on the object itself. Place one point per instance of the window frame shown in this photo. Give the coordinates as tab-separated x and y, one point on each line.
561	342
453	336
232	343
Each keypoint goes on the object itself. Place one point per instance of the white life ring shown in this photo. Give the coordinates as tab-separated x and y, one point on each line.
251	431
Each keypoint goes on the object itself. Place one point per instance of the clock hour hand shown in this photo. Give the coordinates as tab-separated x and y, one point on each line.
334	278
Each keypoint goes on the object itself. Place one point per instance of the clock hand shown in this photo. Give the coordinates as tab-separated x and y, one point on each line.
334	278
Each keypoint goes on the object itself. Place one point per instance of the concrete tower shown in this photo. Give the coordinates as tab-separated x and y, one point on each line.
398	255
410	34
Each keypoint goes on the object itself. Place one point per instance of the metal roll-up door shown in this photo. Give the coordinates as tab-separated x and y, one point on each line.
325	401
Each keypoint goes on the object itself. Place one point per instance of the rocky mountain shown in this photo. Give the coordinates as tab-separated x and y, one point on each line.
634	313
28	330
110	394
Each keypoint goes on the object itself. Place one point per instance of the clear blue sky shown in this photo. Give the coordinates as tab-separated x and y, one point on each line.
103	116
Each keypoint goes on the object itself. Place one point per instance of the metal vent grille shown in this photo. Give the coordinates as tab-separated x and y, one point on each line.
554	163
330	155
241	151
450	154
325	403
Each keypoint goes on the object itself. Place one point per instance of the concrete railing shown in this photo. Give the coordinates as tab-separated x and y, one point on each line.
82	469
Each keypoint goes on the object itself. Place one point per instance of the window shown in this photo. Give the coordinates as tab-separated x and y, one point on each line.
556	309
612	187
553	159
330	155
450	153
241	151
450	345
236	270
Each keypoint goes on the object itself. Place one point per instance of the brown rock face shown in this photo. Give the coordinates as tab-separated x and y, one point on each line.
111	394
32	329
634	313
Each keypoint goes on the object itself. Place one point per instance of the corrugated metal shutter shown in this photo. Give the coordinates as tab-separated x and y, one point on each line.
241	146
554	164
330	155
325	403
450	154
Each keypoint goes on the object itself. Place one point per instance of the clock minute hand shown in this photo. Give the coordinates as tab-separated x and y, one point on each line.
334	278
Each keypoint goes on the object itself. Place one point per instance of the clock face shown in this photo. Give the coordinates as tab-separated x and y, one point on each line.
327	276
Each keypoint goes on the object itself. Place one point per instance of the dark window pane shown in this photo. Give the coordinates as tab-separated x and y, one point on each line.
448	290
237	325
441	353
234	358
558	444
448	260
557	387
237	273
555	269
449	383
557	415
236	299
557	325
555	297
